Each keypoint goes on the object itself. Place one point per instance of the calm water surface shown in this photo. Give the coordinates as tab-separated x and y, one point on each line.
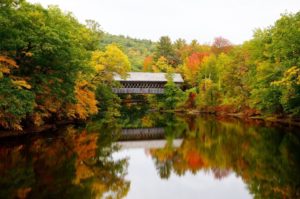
151	155
147	183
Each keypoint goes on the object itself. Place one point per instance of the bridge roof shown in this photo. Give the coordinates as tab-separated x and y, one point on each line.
149	77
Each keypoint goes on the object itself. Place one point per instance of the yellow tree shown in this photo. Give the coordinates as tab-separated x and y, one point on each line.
86	103
162	65
105	64
109	62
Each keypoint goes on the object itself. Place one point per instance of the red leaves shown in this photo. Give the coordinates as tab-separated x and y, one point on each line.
195	160
221	45
195	60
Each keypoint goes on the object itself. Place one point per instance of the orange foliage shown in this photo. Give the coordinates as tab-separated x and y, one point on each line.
37	119
86	102
7	120
195	161
193	65
85	147
148	62
12	123
48	104
22	193
195	60
6	64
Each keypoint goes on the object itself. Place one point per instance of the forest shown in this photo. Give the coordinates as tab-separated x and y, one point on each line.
53	68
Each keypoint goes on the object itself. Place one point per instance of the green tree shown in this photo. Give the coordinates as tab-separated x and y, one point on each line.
290	87
164	48
172	96
273	51
51	51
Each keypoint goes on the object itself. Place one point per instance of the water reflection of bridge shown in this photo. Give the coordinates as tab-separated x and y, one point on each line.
145	138
142	133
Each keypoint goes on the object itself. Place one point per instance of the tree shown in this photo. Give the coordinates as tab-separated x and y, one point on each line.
274	51
165	49
173	95
180	46
192	67
86	103
162	65
50	54
284	44
108	63
290	87
16	98
223	62
148	64
221	45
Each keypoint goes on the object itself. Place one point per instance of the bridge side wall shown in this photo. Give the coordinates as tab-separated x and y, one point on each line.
141	87
139	90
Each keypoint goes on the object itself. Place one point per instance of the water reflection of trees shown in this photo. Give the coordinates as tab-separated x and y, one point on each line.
139	116
77	165
267	159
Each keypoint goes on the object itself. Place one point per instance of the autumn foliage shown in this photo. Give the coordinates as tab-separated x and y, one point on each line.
221	45
260	75
86	104
51	72
148	63
192	66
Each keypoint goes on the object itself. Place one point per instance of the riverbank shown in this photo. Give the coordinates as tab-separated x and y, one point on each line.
29	131
35	130
247	114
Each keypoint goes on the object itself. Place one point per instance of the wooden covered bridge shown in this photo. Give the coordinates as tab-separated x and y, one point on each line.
145	83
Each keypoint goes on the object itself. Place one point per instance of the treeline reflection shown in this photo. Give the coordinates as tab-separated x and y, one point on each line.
76	164
78	161
266	158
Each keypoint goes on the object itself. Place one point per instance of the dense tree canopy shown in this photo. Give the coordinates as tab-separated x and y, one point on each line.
45	64
260	75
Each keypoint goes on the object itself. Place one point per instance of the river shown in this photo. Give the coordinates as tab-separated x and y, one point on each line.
154	155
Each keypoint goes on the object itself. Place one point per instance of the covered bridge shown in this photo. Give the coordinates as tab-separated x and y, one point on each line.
145	82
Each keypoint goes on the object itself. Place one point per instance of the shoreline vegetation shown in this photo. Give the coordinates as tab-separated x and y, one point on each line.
54	69
253	120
